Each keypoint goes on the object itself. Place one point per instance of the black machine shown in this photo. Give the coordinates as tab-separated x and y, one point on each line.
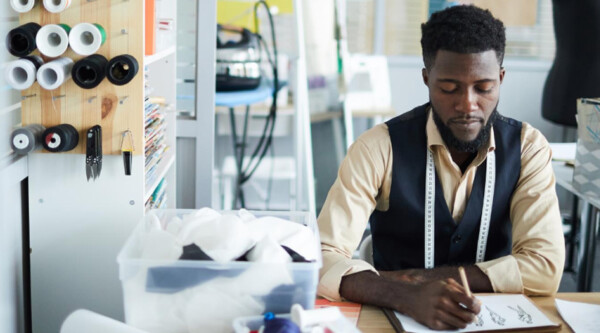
238	68
238	59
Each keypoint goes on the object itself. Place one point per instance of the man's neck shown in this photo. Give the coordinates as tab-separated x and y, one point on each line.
462	159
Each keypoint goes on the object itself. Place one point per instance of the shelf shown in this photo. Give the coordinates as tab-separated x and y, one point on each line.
158	56
323	116
164	165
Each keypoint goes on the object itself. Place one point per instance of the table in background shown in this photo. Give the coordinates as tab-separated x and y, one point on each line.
372	319
590	214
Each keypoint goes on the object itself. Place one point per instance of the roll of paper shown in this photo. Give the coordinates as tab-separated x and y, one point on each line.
27	139
90	322
56	6
20	41
53	74
53	39
22	6
86	38
20	74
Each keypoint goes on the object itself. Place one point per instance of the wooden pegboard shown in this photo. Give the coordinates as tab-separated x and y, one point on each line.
115	108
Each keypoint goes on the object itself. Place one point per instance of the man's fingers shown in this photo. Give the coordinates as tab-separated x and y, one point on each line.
450	320
451	307
458	295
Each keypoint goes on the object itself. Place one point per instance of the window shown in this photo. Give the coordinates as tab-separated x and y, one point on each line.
393	27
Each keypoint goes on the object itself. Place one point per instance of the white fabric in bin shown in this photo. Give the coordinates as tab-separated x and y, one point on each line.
268	250
213	303
293	235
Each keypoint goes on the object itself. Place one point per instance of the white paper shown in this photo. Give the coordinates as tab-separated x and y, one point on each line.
581	317
498	312
563	151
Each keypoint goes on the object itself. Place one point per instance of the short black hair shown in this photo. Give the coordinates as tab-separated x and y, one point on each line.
462	29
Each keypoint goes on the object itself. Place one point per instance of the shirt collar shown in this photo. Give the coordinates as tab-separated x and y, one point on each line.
434	138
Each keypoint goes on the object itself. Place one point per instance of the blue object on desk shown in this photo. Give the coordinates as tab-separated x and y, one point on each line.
245	97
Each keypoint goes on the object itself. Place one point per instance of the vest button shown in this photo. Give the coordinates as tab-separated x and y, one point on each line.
457	239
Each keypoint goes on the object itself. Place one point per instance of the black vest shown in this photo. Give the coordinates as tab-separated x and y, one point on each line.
399	232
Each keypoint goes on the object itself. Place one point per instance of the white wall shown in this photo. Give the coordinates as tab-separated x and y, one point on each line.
13	170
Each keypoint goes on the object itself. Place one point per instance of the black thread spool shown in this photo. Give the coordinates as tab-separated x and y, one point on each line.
20	41
60	138
122	69
89	71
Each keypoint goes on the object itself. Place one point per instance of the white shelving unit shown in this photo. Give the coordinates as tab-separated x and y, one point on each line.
78	227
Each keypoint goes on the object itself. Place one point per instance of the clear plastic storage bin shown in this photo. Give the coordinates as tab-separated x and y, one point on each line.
173	296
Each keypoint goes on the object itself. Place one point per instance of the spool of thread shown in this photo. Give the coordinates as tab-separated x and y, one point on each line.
90	322
20	74
20	41
22	6
53	39
27	139
63	137
53	74
90	71
86	38
122	69
56	6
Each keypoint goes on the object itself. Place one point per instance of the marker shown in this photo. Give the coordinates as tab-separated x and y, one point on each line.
463	277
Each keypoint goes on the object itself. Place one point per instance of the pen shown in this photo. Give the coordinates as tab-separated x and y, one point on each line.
465	283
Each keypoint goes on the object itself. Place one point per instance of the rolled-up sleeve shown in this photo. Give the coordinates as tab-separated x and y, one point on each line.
348	206
536	263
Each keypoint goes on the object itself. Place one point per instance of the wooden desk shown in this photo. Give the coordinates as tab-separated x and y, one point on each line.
372	319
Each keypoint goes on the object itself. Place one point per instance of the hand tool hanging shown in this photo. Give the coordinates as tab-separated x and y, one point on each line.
93	153
127	151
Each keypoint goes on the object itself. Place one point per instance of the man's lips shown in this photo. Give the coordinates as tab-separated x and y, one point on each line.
466	121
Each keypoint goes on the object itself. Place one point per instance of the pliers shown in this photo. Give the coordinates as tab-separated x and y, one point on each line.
93	153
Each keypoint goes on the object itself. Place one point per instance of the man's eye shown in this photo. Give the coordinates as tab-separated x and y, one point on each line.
448	89
485	88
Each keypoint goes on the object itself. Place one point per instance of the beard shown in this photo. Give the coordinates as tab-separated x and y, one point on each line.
472	146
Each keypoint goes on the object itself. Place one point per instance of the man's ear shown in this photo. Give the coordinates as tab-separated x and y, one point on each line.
426	76
502	72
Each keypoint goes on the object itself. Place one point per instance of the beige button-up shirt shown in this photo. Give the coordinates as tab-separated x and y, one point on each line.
363	184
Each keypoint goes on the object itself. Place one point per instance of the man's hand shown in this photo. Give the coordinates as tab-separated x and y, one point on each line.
438	304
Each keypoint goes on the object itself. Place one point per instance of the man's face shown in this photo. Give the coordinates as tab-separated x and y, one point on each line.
464	90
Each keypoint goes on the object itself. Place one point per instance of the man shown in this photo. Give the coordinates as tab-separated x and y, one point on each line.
451	183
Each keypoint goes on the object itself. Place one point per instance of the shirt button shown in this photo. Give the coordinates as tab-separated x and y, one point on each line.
457	239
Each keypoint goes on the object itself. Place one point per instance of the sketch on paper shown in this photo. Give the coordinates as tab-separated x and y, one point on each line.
479	321
496	318
523	316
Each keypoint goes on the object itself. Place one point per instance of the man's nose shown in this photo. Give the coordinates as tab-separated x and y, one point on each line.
467	102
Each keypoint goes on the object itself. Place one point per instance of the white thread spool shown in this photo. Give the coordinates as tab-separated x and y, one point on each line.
56	6
91	322
306	318
20	74
22	6
53	74
86	38
52	39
